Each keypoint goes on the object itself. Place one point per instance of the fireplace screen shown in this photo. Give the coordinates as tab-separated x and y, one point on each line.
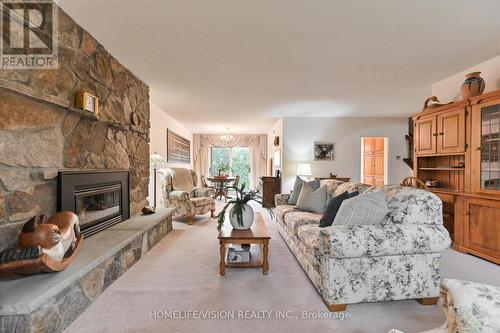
94	206
99	198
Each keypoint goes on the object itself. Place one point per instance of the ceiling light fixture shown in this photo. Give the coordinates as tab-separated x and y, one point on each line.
227	138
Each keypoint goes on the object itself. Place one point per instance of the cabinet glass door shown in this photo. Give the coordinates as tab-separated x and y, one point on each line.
490	147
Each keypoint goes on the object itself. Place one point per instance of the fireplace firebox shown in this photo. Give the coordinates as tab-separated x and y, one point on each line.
99	198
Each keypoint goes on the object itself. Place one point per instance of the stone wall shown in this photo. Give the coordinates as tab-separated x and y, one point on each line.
40	132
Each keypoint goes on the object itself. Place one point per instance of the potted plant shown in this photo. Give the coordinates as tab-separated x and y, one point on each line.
241	213
222	168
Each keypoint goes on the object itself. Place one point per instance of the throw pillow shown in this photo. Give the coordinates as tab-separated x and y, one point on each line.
296	191
310	200
298	186
370	208
332	209
353	194
315	184
333	206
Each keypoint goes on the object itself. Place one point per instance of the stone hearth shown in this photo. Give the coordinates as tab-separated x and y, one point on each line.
50	302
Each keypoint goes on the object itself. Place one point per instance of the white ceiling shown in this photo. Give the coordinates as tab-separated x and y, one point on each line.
213	64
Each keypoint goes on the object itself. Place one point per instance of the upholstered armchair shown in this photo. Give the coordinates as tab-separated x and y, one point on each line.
469	307
180	192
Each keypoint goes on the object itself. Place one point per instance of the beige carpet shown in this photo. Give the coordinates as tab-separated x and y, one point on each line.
181	273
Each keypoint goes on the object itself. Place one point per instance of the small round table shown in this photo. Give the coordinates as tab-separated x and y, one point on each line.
220	186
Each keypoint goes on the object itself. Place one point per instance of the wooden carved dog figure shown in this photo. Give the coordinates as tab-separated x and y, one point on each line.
56	235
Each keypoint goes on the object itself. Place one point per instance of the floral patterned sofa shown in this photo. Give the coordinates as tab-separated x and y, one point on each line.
469	307
180	192
347	264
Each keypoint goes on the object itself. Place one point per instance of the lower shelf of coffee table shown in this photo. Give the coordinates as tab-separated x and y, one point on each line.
255	258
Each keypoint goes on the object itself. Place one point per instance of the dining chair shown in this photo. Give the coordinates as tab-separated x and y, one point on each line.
414	182
204	182
235	184
220	183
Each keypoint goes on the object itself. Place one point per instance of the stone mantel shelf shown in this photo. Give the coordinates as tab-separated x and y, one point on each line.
25	90
84	113
93	116
44	97
21	296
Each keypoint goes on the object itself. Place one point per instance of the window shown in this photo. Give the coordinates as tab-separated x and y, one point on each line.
231	161
219	161
240	164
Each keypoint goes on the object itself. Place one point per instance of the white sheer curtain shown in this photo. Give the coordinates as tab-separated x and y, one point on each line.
202	143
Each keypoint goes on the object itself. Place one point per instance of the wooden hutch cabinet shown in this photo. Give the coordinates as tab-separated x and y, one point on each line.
458	145
442	131
269	187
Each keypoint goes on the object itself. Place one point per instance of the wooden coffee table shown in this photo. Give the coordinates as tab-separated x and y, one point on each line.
258	236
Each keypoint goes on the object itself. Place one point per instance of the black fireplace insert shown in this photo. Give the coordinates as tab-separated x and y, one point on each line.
99	198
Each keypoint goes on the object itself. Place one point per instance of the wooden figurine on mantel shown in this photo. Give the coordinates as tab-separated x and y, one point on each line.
45	245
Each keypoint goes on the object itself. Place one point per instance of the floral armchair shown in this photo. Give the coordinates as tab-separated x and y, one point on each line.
469	307
180	192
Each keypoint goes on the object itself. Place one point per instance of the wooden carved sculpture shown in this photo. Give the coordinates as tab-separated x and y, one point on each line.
45	245
436	103
56	236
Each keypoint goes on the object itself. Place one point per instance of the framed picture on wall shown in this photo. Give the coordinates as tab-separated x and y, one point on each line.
323	151
178	148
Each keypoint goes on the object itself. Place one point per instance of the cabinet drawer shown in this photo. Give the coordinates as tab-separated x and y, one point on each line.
445	197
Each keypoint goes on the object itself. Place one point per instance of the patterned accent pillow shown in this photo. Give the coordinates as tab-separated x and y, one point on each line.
369	208
310	200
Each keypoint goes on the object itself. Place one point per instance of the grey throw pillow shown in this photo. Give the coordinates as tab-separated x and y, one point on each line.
296	191
315	184
298	186
369	208
310	200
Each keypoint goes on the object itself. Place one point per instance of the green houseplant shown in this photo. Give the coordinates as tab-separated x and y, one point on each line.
222	168
241	214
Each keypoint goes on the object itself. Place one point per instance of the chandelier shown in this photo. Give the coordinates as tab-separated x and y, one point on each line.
227	138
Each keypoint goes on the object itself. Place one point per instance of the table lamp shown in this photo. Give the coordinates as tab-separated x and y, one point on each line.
304	169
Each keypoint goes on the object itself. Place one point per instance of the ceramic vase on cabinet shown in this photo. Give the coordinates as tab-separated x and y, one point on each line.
473	85
247	218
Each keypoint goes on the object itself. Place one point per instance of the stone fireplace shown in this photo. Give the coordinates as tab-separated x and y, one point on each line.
96	164
41	133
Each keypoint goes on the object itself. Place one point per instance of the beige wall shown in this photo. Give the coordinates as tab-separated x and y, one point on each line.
448	89
160	121
300	133
275	130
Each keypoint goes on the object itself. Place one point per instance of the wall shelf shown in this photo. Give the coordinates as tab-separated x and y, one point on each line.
85	114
